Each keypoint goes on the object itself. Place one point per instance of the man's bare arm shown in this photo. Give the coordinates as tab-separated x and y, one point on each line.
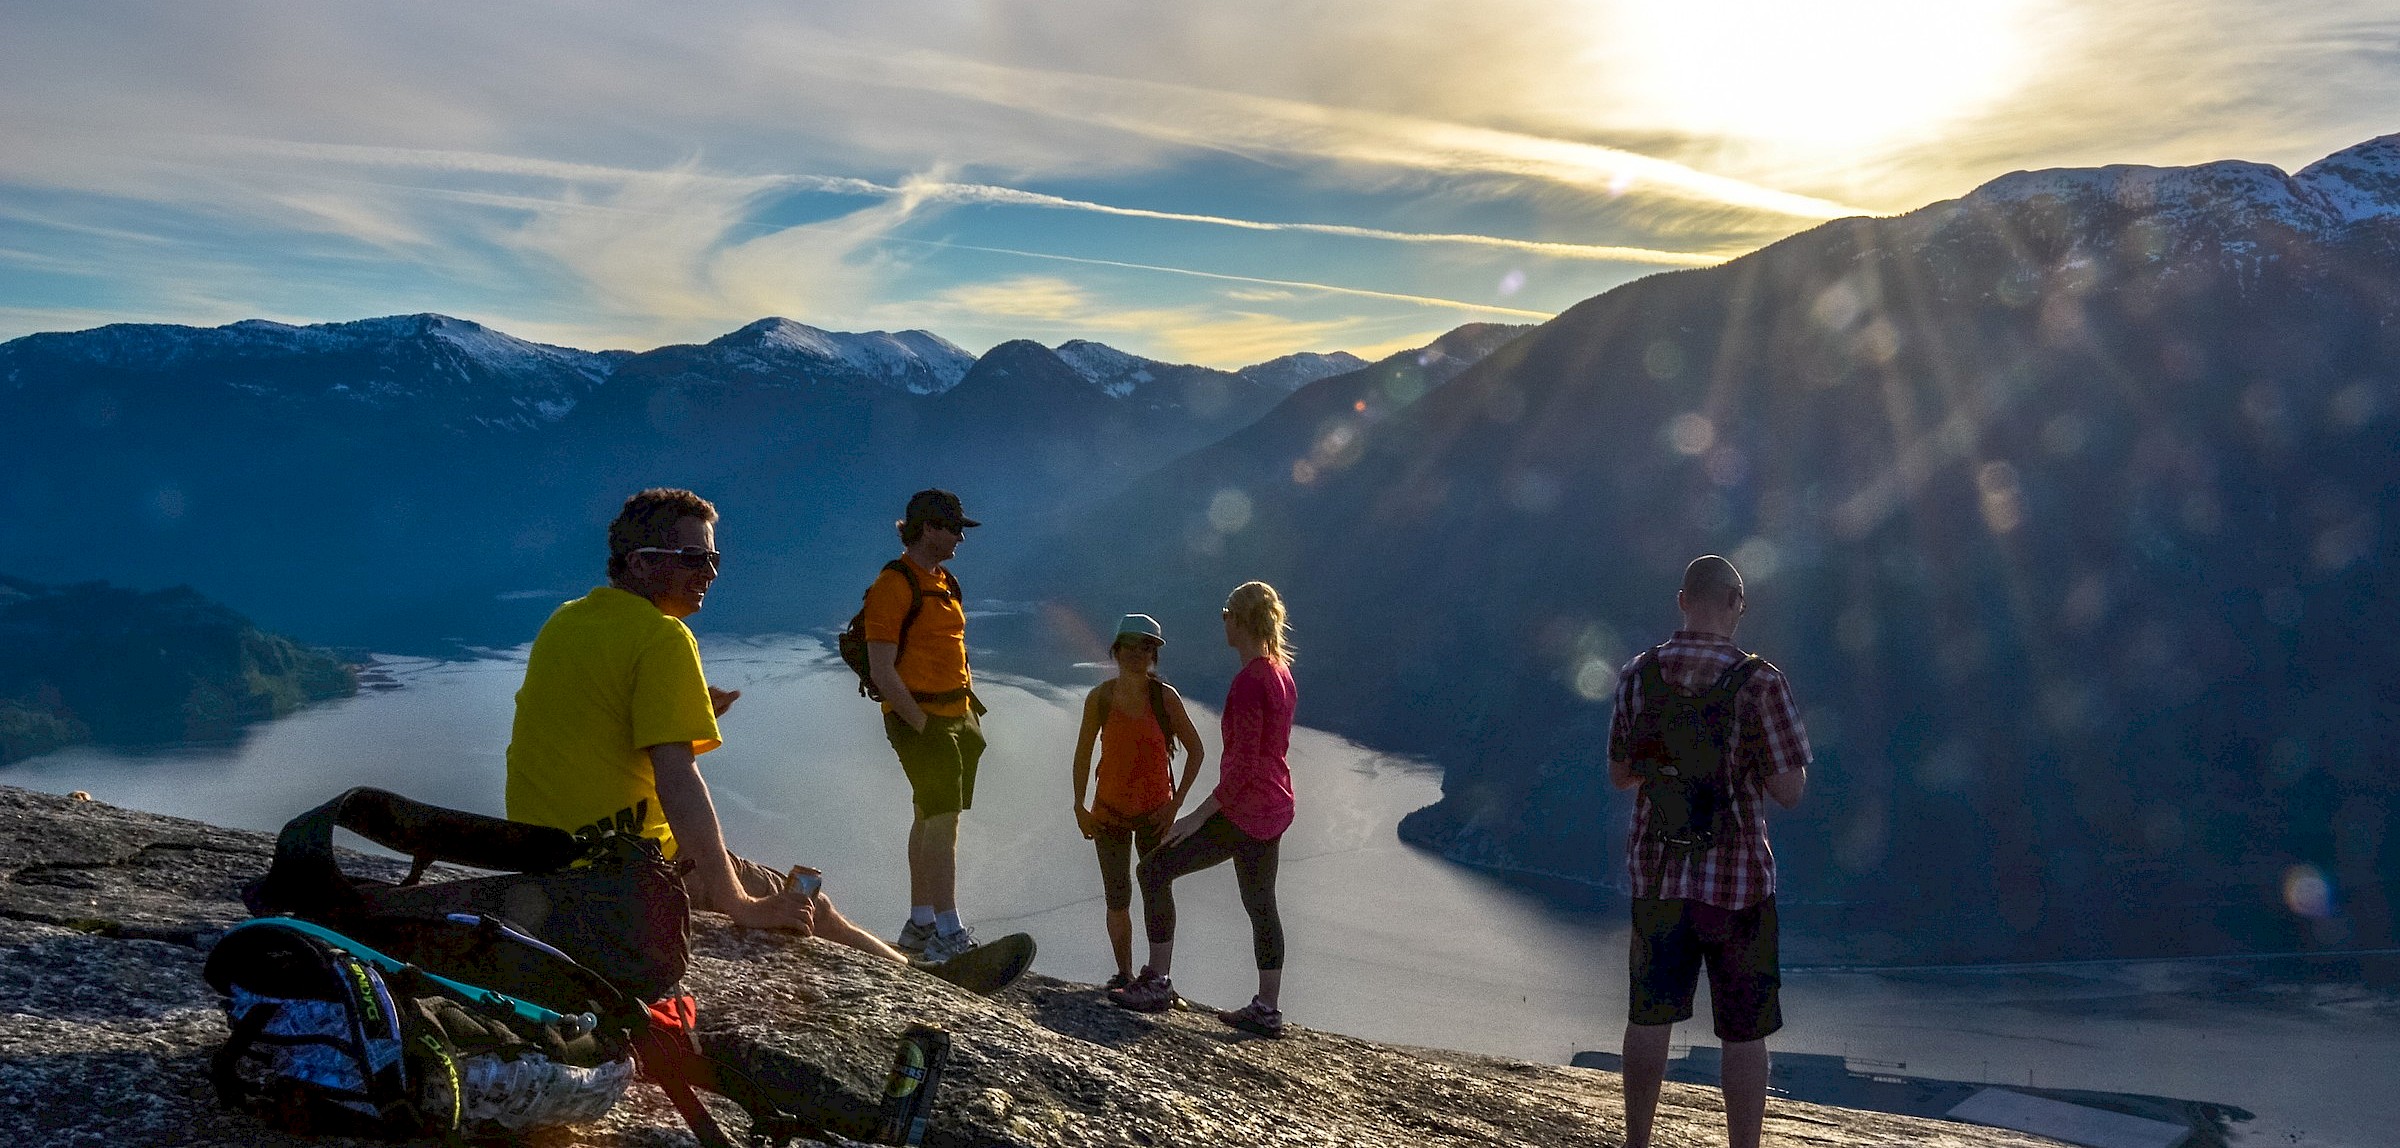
1621	774
1787	787
883	665
683	798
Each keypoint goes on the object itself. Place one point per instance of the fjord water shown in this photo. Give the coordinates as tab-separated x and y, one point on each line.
1386	942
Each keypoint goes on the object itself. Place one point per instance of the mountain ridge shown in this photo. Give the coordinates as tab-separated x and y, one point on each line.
2054	506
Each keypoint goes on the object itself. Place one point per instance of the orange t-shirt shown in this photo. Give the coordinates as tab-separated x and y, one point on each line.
1134	761
934	659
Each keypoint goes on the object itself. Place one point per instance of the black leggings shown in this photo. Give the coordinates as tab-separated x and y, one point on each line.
1253	870
1117	849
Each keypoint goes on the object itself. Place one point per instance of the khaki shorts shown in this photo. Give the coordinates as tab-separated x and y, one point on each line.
940	760
757	880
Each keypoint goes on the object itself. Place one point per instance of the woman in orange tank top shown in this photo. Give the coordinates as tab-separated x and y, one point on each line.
1131	716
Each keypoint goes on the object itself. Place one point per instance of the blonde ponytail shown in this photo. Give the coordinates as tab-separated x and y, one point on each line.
1258	610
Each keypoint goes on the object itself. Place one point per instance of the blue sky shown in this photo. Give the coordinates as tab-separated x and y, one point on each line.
1217	183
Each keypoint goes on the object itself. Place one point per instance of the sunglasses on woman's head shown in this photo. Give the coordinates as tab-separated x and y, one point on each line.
688	557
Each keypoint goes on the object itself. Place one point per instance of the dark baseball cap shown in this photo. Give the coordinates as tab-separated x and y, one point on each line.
937	506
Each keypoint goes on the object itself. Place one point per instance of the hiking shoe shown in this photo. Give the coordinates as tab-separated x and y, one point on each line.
947	946
1116	981
987	968
1254	1017
913	938
1149	992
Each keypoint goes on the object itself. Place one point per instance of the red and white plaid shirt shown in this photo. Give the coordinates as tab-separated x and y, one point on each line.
1739	871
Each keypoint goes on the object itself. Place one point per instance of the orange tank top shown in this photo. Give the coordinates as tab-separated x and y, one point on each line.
1133	762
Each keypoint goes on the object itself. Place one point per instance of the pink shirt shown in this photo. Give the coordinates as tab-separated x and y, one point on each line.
1254	783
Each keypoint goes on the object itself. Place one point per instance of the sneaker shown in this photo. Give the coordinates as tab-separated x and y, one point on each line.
913	937
1254	1017
987	968
1116	981
947	946
1149	992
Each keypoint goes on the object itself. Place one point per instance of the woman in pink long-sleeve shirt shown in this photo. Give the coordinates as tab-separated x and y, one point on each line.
1243	821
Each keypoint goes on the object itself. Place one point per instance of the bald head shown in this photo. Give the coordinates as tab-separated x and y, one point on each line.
1711	597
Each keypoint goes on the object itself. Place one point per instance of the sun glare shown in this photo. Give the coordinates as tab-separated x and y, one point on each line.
1816	73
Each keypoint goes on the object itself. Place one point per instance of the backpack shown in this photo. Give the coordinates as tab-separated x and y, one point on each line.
334	1037
853	642
615	909
610	901
1680	745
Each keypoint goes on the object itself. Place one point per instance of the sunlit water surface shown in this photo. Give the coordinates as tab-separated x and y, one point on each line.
1385	942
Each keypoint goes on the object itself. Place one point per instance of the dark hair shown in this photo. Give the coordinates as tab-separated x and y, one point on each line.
910	530
648	519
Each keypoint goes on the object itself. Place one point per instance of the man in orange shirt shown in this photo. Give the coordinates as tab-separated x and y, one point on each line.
615	711
916	631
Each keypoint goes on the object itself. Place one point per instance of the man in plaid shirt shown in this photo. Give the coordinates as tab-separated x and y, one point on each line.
1716	906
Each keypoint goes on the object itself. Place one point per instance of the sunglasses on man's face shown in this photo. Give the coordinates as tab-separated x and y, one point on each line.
688	557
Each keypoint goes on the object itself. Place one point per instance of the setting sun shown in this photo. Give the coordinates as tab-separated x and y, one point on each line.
1856	73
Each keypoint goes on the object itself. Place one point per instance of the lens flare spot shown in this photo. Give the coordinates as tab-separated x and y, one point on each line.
1691	434
1595	680
1511	283
1663	360
1726	465
1533	492
2307	892
2003	505
1758	559
1229	511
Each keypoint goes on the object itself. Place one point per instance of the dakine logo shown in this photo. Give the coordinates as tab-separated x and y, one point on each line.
628	821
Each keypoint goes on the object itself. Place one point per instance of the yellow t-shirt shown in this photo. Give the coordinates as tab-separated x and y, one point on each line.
608	678
934	660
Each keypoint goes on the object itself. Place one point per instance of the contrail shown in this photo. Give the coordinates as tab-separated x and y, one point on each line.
987	193
950	192
1327	288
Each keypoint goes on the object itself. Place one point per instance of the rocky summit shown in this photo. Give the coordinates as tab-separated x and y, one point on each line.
106	1027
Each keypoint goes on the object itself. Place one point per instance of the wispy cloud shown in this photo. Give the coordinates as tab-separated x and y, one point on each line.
1059	309
624	175
1250	124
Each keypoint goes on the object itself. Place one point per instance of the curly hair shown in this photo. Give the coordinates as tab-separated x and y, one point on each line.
648	519
1257	609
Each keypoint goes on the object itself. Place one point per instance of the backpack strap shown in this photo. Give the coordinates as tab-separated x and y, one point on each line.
669	1054
523	1010
1158	704
1650	676
917	594
1735	677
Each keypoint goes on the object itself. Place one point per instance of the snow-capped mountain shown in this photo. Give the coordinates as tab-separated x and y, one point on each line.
1292	372
918	362
450	371
2352	186
1120	374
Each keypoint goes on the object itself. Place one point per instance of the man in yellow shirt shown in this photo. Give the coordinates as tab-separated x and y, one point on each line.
615	712
929	709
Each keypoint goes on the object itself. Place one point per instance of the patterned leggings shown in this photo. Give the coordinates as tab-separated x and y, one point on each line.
1254	863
